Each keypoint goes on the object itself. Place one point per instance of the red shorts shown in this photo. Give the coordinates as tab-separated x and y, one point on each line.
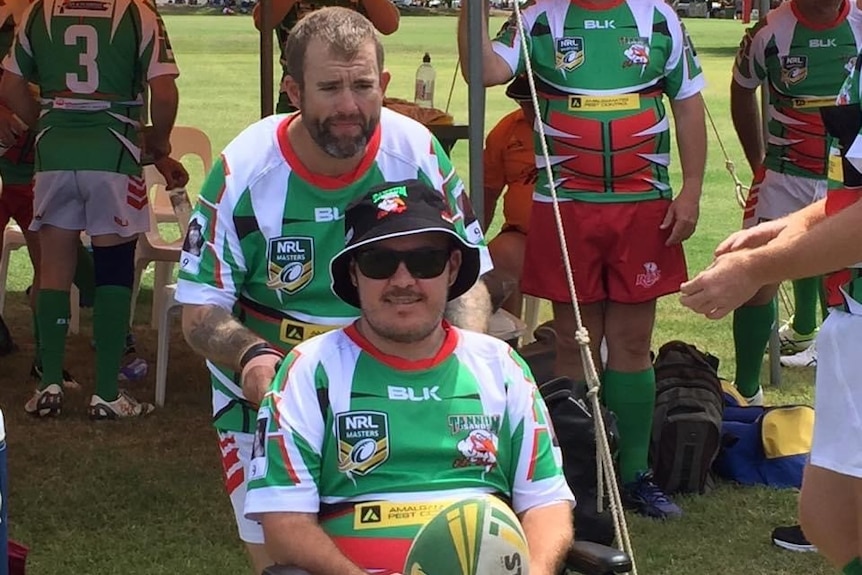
16	203
617	253
837	200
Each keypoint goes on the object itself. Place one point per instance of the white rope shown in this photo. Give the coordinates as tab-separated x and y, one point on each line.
740	189
605	463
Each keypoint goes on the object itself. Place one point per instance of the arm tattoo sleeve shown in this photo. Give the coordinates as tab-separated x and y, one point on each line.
217	335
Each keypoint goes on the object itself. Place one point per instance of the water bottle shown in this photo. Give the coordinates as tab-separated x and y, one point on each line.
4	532
425	77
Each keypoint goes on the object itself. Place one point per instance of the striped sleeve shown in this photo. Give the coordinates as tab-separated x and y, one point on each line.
286	457
20	58
155	54
507	43
212	265
749	68
539	478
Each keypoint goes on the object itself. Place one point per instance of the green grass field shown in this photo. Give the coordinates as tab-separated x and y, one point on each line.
146	498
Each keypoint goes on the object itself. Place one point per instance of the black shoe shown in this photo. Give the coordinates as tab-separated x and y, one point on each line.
791	538
69	381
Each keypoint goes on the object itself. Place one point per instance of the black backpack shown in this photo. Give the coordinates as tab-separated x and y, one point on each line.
572	418
686	432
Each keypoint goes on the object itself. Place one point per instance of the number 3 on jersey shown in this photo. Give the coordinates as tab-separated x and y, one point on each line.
87	59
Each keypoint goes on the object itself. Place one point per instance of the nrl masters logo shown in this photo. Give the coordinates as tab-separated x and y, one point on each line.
363	441
570	53
290	263
794	69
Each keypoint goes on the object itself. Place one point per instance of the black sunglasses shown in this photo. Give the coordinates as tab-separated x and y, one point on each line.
422	263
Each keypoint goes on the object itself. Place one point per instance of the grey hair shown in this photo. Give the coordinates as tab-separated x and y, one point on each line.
344	31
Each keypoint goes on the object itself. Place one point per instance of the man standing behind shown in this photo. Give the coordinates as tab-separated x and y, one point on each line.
270	214
510	164
285	14
474	413
803	50
602	69
91	62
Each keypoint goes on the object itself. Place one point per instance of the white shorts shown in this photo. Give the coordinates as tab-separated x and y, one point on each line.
235	450
779	195
838	395
99	202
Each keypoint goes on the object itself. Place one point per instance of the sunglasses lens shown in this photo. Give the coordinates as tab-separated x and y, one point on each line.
378	264
422	263
426	263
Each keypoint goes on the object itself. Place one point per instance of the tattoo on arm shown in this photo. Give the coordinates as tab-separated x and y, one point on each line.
217	335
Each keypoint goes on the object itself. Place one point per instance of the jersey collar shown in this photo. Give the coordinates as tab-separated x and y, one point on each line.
450	341
321	181
607	5
842	15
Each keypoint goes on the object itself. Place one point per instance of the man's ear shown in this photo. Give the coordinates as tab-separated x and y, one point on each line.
385	77
293	90
455	259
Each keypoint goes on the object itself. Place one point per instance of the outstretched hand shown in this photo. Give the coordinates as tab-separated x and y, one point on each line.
722	287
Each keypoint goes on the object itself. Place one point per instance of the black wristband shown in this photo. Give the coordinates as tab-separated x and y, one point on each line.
257	349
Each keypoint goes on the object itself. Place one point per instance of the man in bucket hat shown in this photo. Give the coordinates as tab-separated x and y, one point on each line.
422	386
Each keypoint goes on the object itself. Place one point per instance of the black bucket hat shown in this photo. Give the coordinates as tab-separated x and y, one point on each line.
393	210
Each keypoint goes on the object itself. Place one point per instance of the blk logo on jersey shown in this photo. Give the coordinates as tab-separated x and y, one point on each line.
570	53
363	441
290	263
794	69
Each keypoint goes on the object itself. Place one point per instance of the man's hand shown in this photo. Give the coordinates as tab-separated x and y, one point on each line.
721	288
11	127
755	237
682	216
174	172
155	145
257	376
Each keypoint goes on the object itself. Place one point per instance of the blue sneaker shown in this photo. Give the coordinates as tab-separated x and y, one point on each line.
644	497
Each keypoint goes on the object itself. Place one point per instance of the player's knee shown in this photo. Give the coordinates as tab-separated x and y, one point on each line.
115	265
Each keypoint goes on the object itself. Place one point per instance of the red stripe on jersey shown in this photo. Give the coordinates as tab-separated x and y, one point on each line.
837	200
449	343
534	454
292	357
375	553
233	471
226	172
809	151
288	466
216	268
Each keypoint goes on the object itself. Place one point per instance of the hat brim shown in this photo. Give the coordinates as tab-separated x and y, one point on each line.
339	266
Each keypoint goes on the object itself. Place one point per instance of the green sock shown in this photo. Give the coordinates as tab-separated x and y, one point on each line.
824	307
631	396
853	568
38	355
111	308
52	316
752	326
85	275
805	302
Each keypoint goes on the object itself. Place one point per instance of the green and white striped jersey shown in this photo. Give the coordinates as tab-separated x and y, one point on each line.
345	423
602	75
91	60
265	228
804	66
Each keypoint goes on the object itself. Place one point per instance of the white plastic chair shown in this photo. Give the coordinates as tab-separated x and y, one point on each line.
531	318
185	141
153	248
168	303
13	239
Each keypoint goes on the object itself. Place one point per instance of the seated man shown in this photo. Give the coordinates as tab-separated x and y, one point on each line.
510	163
423	390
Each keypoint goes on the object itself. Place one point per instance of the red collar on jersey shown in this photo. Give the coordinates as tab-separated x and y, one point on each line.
607	5
321	181
842	15
450	341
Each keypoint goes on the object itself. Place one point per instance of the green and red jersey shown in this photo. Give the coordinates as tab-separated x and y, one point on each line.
804	65
602	75
344	423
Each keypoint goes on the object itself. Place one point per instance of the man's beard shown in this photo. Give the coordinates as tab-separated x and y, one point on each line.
399	334
341	147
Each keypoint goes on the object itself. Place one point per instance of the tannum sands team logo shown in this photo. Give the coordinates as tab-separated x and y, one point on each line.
794	69
290	263
390	201
570	53
363	441
636	51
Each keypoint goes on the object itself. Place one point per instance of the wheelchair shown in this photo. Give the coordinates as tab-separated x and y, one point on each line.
584	557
